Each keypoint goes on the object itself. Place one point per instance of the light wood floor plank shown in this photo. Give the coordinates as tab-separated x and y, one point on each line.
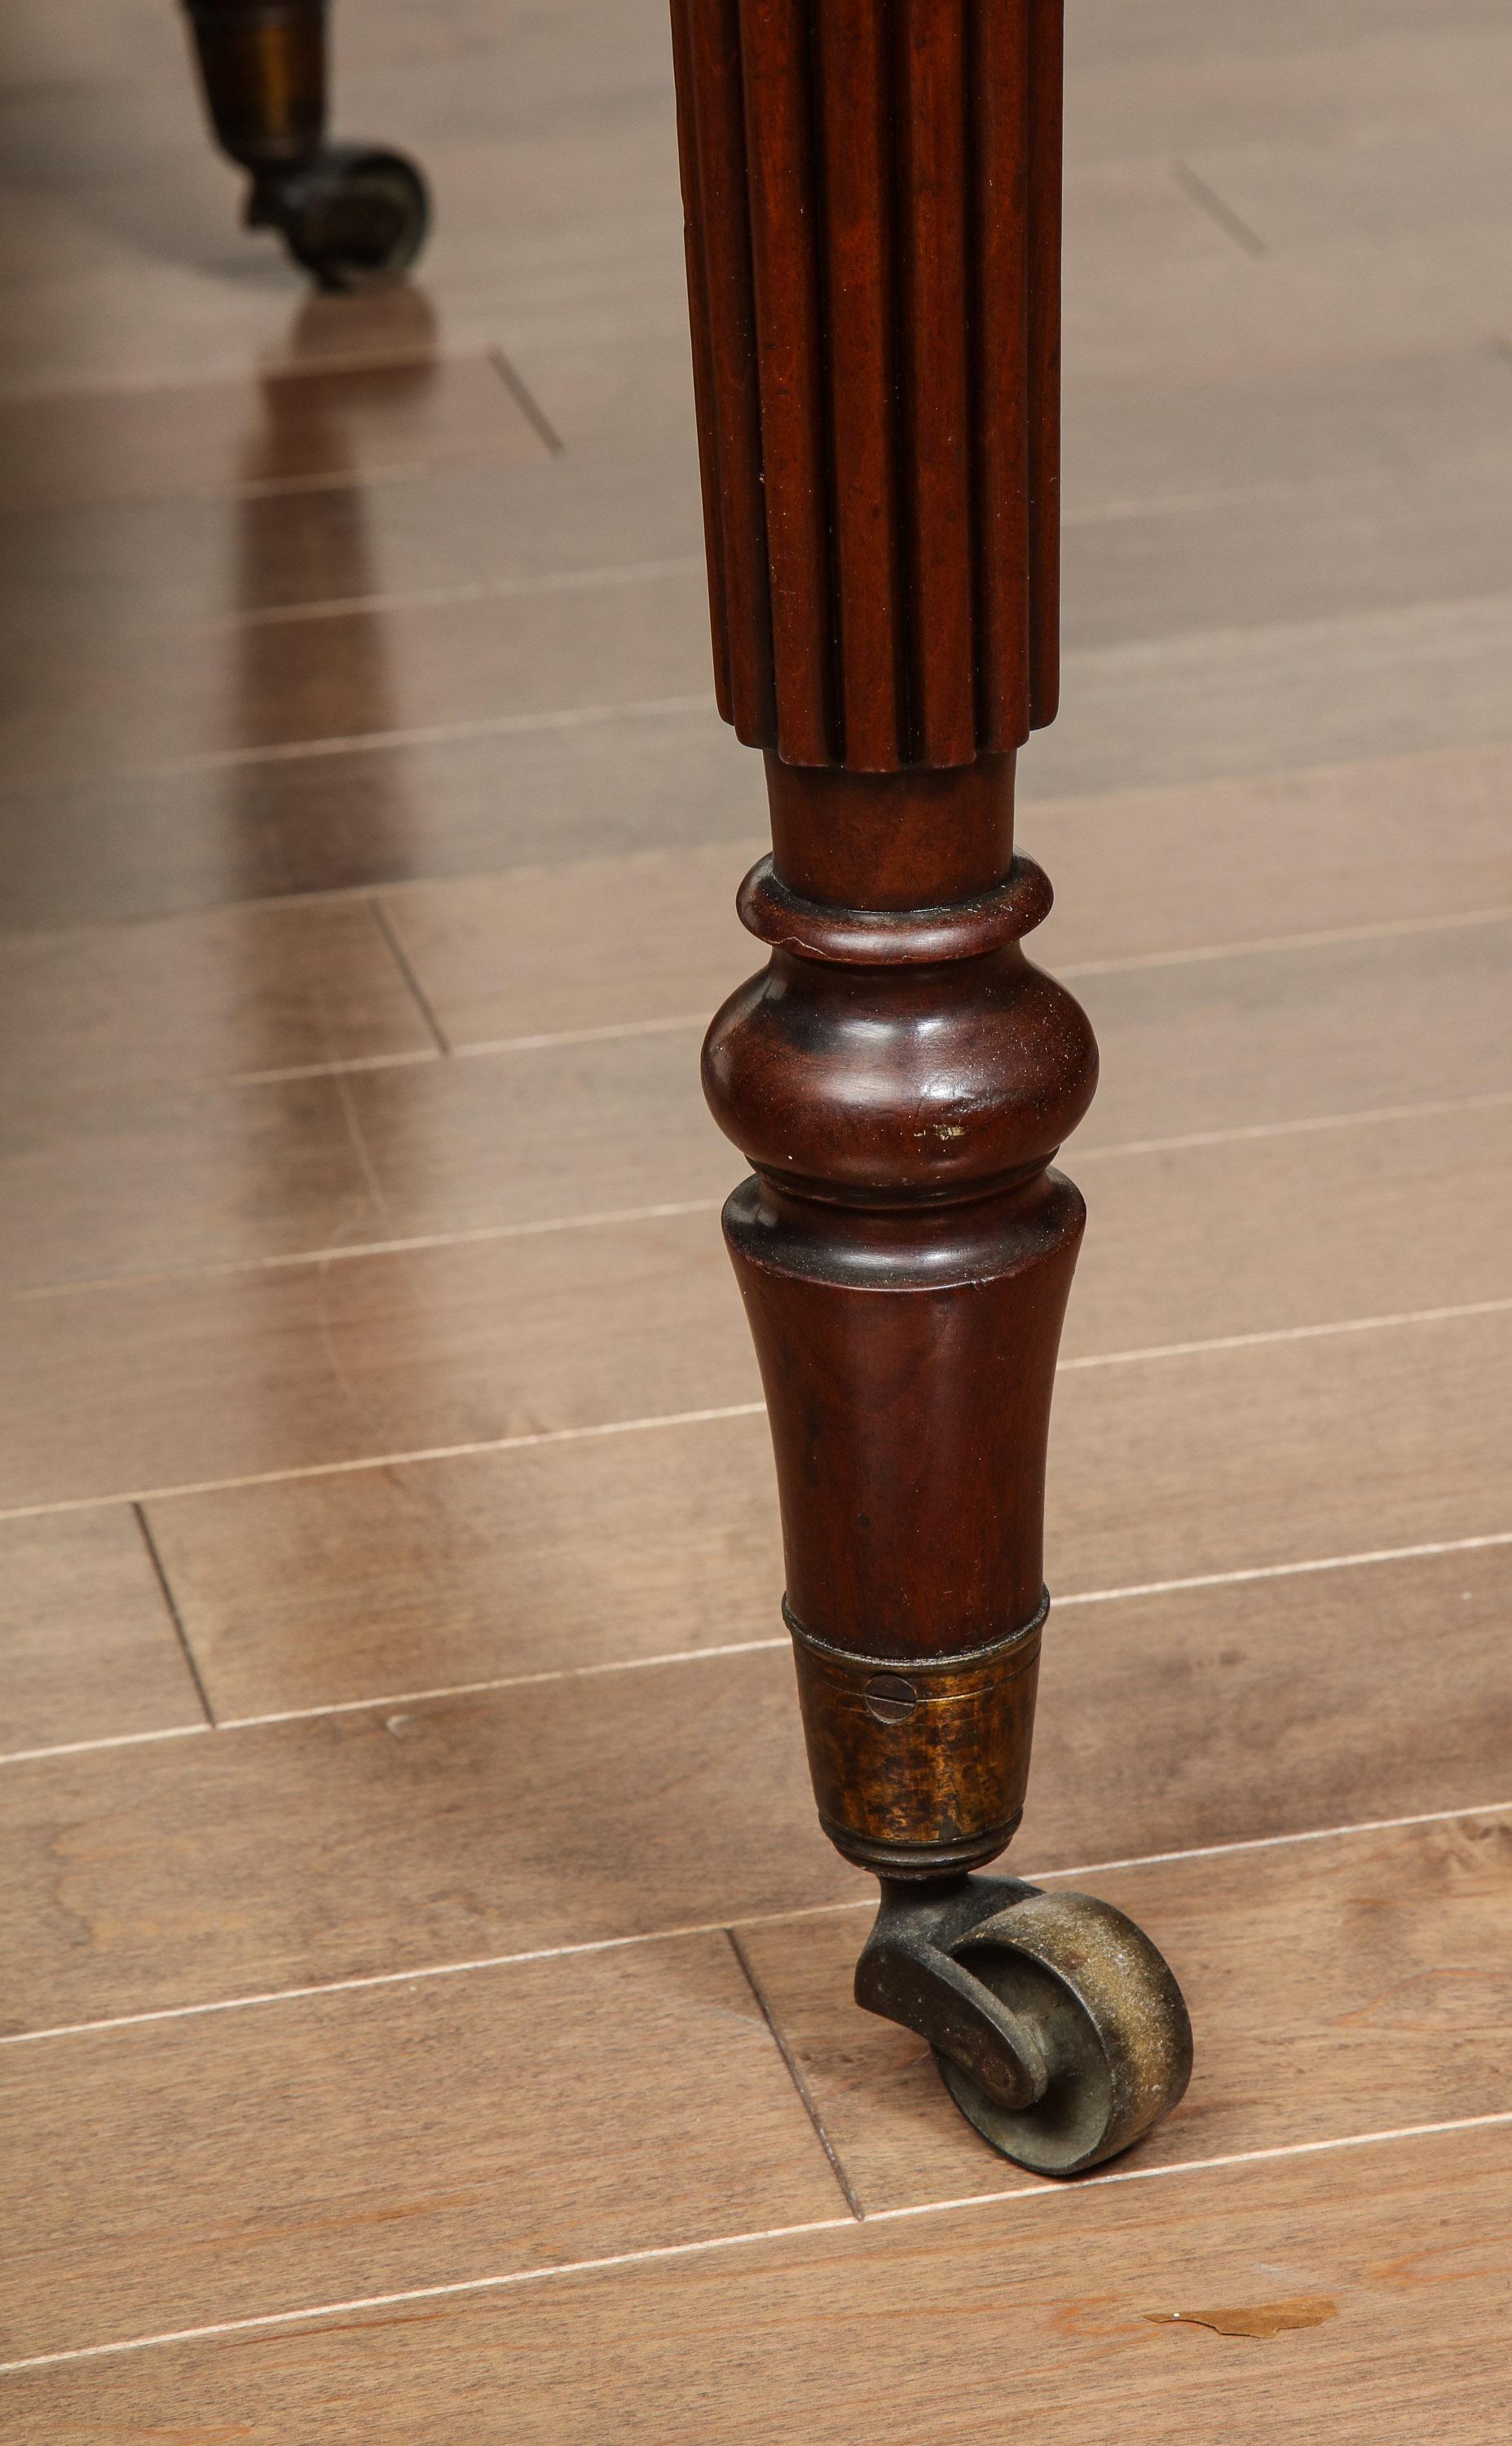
1354	1985
87	1645
102	1009
120	700
1344	560
216	1175
378	1842
320	1591
216	436
619	940
1064	2300
282	1368
1234	701
361	2143
129	844
232	2128
1222	83
1311	487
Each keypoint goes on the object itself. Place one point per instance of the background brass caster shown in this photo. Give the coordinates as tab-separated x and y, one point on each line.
352	216
1058	2029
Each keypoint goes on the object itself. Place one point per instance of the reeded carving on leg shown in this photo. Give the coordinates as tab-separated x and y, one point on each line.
873	197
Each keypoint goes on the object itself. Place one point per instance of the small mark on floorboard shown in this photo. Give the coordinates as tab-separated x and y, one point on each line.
1263	2320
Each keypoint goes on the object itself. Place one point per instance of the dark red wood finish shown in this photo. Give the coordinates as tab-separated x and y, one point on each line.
872	192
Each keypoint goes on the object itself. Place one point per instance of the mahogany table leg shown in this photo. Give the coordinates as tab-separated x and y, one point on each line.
873	199
353	215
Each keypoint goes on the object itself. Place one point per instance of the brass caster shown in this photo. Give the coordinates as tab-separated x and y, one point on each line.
352	216
1058	2029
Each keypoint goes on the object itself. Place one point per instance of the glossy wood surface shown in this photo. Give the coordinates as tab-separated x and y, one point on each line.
1389	1914
873	216
821	2321
1285	611
682	2047
88	1650
373	1841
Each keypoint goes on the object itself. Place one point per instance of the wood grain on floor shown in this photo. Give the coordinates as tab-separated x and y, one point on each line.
1137	875
88	1650
1067	2299
469	1546
290	429
562	1130
194	1379
381	1841
1322	1975
351	2144
1352	2005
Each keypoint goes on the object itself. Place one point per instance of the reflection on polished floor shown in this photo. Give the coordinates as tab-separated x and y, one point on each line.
395	1713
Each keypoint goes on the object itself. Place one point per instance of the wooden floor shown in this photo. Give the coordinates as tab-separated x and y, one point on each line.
427	1987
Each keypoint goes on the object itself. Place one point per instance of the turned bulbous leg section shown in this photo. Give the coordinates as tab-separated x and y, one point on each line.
353	216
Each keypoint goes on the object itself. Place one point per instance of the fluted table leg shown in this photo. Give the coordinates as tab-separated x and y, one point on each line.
353	215
873	239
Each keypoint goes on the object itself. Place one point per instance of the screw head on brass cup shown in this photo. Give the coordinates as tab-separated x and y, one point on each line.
890	1697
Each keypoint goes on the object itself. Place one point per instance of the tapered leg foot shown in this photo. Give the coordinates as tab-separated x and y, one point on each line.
1058	2029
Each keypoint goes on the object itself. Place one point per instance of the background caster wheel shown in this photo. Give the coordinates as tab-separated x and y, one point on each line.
354	216
1097	2019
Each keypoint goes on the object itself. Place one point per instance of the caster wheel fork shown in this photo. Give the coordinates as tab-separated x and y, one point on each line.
1058	2029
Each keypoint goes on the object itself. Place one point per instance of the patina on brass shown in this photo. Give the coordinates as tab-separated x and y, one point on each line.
919	1764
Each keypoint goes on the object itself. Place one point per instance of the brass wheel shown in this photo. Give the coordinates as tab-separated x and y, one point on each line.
353	217
1099	2026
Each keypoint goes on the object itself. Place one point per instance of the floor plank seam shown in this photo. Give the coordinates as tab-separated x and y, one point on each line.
539	1438
1382	929
526	400
357	1138
613	1032
1456	1312
795	2075
400	958
675	1022
425	734
425	598
1042	2191
433	1970
174	1615
1049	810
481	1235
